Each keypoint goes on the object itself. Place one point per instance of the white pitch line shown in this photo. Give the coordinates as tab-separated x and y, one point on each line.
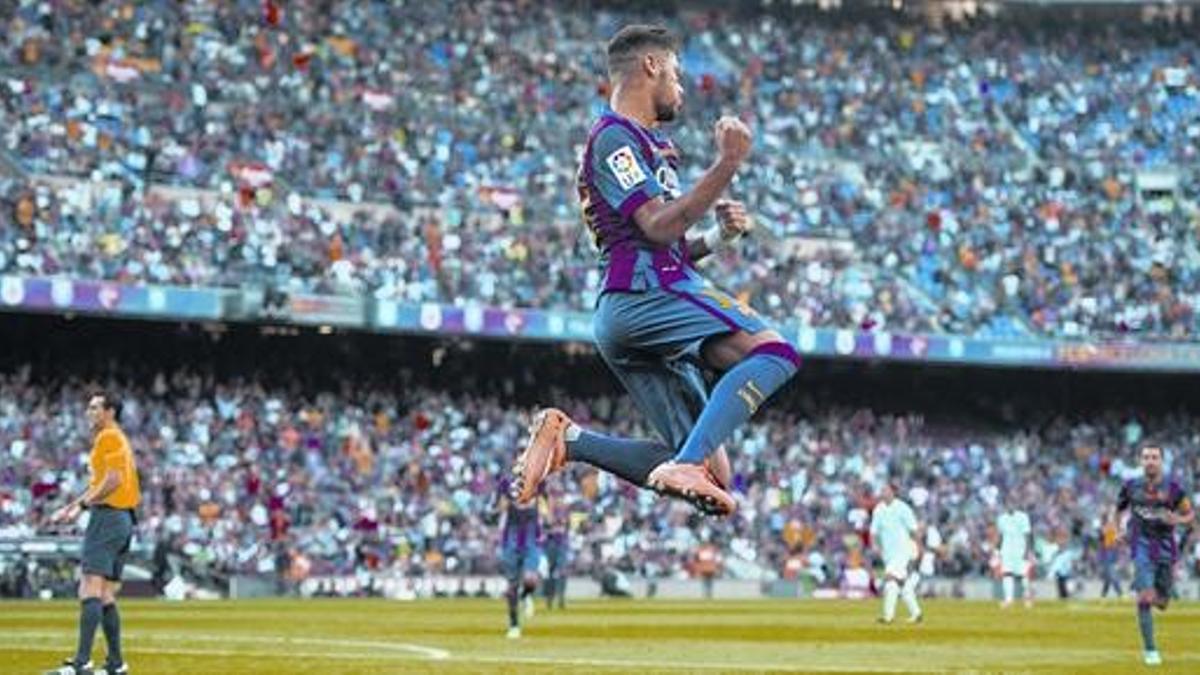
685	665
407	652
431	653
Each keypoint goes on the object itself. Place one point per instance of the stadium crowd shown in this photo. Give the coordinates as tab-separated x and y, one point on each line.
238	474
986	176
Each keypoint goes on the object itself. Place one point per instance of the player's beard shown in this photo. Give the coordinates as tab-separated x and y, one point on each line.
664	111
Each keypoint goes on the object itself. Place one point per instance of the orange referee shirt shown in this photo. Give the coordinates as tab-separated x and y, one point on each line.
111	451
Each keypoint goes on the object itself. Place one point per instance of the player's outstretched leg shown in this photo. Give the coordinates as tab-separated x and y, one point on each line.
735	399
514	623
891	591
554	440
1146	625
527	590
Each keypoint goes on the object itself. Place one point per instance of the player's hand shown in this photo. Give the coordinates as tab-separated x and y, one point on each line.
733	219
733	139
1173	518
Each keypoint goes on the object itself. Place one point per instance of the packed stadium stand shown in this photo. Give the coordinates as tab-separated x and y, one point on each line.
989	179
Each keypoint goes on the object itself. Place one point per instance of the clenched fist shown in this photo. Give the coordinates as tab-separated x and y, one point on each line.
733	139
733	219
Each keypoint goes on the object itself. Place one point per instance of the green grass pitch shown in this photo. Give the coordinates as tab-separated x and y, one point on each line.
449	636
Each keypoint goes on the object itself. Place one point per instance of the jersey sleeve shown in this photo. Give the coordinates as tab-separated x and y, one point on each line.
621	174
108	450
1180	502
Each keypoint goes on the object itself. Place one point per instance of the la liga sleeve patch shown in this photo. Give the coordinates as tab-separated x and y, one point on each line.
625	167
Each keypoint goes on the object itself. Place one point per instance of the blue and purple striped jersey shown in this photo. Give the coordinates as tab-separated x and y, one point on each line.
624	166
522	525
1148	504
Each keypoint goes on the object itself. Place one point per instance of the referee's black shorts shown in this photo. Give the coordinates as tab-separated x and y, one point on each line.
106	542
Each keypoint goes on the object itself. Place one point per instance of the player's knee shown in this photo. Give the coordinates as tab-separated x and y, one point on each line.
779	348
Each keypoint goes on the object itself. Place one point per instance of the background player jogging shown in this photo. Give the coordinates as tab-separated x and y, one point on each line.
657	321
1156	507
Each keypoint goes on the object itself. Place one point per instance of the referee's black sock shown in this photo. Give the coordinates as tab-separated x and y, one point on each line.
89	618
111	623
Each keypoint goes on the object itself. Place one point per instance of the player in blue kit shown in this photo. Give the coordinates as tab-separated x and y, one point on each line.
1156	507
658	323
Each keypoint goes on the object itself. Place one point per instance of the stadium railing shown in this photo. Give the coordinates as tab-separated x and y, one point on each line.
261	303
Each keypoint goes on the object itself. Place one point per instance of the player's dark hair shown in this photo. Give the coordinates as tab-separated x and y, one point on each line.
631	42
1152	446
111	401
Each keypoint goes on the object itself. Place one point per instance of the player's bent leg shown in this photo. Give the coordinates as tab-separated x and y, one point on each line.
529	585
1146	627
909	594
891	592
511	599
1164	577
767	365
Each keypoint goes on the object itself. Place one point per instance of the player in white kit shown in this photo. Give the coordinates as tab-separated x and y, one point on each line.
893	531
1015	546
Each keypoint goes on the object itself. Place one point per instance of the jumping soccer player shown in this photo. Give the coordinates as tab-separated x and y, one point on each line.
112	495
520	556
1156	507
1016	535
658	322
893	531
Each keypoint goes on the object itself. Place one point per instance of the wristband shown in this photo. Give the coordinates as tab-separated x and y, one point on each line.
713	239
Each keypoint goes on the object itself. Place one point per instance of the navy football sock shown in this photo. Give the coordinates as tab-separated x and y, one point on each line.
511	596
89	619
1146	625
629	458
111	623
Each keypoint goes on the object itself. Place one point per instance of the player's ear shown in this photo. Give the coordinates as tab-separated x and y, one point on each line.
651	64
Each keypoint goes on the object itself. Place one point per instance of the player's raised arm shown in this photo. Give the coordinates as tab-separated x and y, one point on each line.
665	222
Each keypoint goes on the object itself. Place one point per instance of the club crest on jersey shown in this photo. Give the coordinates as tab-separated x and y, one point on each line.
625	167
667	178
